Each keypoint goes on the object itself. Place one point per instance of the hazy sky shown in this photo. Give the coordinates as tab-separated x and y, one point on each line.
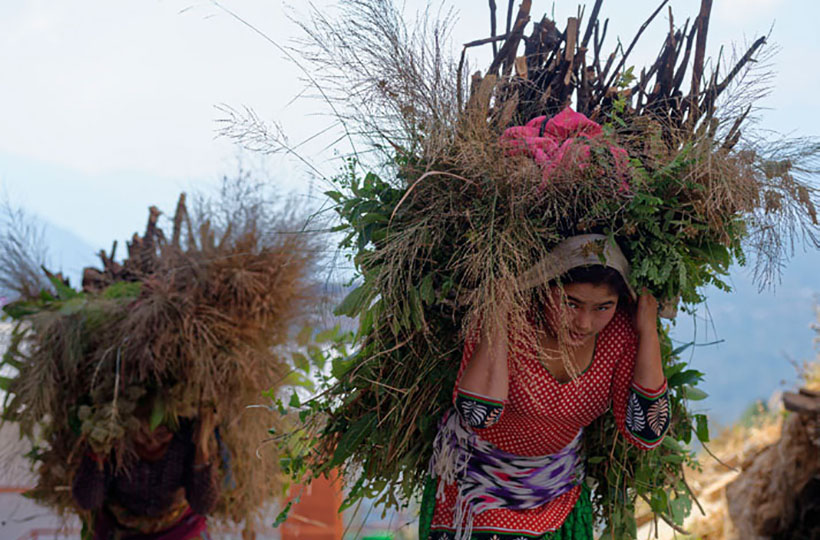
108	107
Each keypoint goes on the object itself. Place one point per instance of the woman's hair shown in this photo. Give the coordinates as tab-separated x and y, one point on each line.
598	275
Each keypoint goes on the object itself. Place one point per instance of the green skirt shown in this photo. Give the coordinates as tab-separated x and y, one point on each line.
578	525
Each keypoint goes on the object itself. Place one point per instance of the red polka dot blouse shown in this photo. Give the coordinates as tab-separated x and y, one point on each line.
541	416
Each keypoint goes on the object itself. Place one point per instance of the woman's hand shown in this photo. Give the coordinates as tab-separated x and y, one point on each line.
204	433
646	316
648	366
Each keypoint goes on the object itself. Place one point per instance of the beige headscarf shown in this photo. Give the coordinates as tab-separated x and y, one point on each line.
586	250
575	251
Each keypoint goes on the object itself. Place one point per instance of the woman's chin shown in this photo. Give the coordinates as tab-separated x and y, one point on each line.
578	340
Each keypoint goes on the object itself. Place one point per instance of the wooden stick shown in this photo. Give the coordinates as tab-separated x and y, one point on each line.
571	39
180	211
484	41
593	19
733	137
742	62
511	44
492	26
632	45
682	67
459	77
702	25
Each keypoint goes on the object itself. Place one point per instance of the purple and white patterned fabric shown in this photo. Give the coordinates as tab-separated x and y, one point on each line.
488	478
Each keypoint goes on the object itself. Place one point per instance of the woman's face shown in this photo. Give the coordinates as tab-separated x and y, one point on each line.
584	309
151	444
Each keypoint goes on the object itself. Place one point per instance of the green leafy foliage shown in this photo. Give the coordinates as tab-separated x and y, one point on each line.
623	474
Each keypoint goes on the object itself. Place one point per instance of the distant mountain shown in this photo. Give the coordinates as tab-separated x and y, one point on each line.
66	253
764	334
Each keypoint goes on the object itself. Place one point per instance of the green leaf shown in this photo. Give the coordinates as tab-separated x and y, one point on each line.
294	378
122	289
595	459
694	394
374	217
300	361
428	295
689	376
5	383
354	301
659	502
352	438
303	337
416	310
294	400
702	427
327	335
64	292
335	195
283	515
670	444
677	351
366	321
317	356
340	366
157	414
18	310
680	507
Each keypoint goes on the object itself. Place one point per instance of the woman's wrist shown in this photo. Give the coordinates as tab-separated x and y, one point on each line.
202	456
648	365
647	331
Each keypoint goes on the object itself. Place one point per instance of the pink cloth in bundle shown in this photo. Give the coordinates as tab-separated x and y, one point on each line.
561	140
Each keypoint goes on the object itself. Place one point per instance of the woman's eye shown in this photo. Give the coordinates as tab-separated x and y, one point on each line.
604	308
572	305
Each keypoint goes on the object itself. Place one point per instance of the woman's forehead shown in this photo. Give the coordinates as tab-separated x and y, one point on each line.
591	293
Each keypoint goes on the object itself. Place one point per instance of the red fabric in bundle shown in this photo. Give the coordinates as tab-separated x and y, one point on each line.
563	140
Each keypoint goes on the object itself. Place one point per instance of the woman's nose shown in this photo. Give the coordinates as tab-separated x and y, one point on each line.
583	321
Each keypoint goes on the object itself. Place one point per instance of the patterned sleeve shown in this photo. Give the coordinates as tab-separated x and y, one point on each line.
477	410
641	414
647	414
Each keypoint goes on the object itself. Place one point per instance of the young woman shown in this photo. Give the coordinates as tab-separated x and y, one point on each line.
164	494
508	461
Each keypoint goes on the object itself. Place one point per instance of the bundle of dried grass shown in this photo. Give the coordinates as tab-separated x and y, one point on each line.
196	318
450	216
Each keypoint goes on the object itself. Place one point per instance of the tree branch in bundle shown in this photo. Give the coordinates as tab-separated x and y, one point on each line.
632	45
740	65
593	21
506	55
702	25
492	26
